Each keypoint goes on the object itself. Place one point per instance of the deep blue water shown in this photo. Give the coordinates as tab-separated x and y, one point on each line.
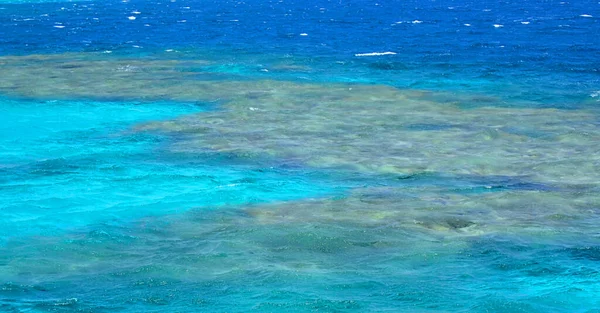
552	60
462	178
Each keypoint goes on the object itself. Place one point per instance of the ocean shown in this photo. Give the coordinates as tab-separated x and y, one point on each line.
299	156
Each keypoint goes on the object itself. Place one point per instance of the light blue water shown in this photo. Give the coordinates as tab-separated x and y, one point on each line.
191	156
67	164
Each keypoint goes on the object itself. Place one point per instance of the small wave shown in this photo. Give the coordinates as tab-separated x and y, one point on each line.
374	54
585	15
409	22
595	94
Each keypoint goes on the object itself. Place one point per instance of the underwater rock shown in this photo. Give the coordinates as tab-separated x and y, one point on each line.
458	223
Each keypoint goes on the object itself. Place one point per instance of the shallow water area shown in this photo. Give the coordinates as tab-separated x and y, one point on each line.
230	156
79	163
374	250
202	191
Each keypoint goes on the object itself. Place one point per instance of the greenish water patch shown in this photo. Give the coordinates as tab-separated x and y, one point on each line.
406	250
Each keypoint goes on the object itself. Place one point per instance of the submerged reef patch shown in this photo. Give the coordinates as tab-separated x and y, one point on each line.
370	128
375	243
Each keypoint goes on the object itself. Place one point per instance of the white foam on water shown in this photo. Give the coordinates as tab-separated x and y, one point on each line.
525	23
498	25
131	18
136	12
595	94
59	26
373	54
227	185
585	15
182	21
304	34
409	22
468	25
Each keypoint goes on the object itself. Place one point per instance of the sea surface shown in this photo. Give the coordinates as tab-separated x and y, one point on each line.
299	156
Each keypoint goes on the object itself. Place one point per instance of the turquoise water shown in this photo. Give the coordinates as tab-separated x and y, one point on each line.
344	156
78	163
